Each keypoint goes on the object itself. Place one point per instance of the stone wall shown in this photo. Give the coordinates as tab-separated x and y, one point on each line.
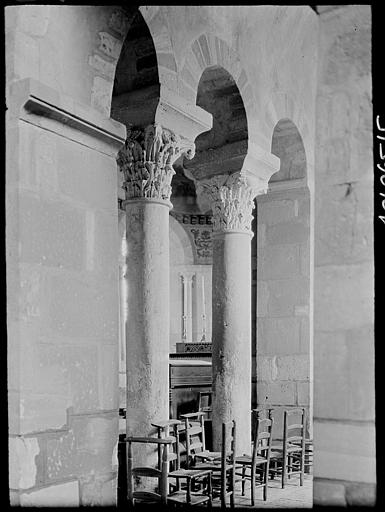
282	265
344	429
62	296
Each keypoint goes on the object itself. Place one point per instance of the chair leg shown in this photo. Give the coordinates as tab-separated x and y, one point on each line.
266	479
252	486
284	462
243	479
232	501
302	468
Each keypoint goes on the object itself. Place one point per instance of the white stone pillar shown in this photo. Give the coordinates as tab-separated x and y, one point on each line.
187	278
146	161
231	199
122	305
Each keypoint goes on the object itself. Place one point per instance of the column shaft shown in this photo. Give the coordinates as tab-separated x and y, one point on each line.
147	332
231	335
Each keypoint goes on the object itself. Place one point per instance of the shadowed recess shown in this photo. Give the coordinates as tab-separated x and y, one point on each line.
136	89
288	146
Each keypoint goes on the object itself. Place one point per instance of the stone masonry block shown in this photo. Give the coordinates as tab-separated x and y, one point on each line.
60	495
304	259
51	233
275	262
330	375
266	368
22	464
261	235
262	297
108	376
78	168
287	233
286	295
26	56
303	393
102	244
78	368
78	307
352	447
339	290
86	447
275	211
360	494
327	493
361	372
34	19
98	490
277	393
278	336
344	374
343	230
39	412
294	367
305	335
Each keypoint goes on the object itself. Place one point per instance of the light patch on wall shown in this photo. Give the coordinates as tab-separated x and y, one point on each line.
61	495
101	95
114	460
22	465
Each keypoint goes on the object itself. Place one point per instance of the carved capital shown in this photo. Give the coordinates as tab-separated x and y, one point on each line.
147	158
232	201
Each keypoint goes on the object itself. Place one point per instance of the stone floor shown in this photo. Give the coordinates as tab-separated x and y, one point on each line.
292	496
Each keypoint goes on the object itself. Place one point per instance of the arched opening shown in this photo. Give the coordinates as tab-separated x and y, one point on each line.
135	94
222	149
281	262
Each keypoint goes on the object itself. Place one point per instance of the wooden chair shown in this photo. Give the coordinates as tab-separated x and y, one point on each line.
160	473
263	412
204	402
224	468
169	428
195	439
259	461
290	455
162	494
190	496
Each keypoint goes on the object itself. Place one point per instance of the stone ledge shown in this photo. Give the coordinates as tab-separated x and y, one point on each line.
28	98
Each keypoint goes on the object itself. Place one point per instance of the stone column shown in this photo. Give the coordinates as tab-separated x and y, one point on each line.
231	199
146	162
187	278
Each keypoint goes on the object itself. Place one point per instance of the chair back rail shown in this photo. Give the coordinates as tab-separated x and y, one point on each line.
195	435
160	473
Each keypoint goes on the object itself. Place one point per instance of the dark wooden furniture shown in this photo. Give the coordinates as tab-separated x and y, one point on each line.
205	403
188	377
223	468
290	455
196	439
160	473
189	495
258	463
167	428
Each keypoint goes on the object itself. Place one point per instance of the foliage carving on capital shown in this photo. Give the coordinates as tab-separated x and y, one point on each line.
232	201
147	158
